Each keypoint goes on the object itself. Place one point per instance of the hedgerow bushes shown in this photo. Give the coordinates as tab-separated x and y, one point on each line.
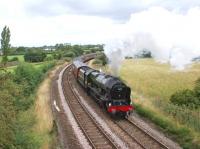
189	98
16	98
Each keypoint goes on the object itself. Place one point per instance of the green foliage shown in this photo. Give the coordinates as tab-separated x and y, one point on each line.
5	43
77	50
16	98
49	58
20	50
27	75
197	89
35	56
104	59
185	97
188	97
13	59
24	137
69	54
7	109
72	51
48	66
57	55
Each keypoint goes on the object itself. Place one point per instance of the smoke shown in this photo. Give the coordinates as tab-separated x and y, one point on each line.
170	36
115	61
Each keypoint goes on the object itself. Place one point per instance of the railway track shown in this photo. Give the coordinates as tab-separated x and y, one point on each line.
93	132
95	135
142	137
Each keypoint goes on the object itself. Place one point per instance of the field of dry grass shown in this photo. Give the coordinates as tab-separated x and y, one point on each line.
151	79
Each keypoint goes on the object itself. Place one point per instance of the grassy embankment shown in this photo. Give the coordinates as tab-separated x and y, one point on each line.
152	85
44	118
20	57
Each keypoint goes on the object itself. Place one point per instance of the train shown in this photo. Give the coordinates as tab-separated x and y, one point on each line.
108	91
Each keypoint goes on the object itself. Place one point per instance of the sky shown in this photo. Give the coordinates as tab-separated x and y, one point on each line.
47	22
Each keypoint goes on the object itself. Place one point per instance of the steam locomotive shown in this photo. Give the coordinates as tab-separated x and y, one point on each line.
109	92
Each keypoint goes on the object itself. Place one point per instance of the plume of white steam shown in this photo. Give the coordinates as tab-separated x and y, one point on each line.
115	61
171	37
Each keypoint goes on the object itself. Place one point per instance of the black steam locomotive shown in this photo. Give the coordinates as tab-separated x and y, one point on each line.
111	93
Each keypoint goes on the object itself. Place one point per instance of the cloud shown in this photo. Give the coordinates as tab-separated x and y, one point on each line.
114	9
76	29
39	22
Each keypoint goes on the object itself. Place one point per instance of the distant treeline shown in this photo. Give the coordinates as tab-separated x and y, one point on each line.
145	53
59	51
75	49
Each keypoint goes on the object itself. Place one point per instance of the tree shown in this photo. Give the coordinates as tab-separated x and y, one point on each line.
20	50
34	56
5	44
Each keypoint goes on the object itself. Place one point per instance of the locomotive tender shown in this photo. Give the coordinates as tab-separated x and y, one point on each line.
111	93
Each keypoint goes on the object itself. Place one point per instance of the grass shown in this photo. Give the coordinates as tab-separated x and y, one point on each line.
43	112
36	65
20	57
152	84
149	78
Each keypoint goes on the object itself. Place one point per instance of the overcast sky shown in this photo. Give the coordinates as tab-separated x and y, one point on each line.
47	22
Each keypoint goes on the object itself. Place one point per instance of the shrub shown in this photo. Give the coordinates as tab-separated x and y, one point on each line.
197	89
27	75
186	97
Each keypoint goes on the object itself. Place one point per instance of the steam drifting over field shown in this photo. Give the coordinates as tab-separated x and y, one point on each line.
170	36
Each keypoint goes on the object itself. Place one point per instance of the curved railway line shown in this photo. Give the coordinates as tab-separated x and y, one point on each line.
97	137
